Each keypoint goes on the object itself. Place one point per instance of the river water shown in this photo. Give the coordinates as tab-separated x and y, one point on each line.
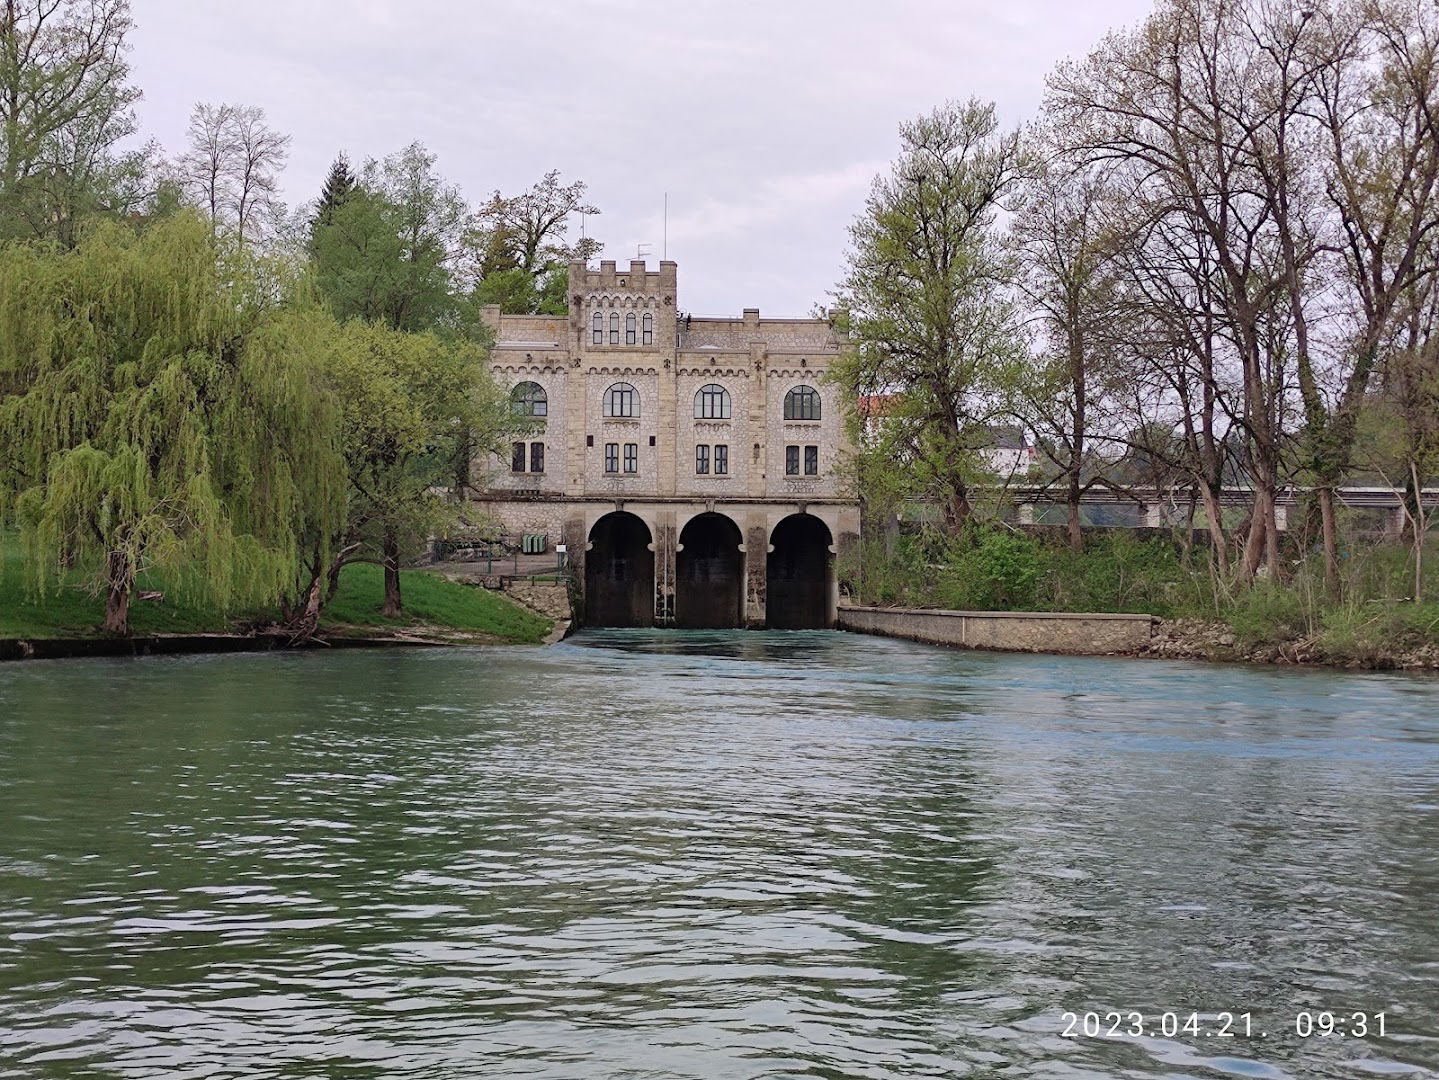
646	854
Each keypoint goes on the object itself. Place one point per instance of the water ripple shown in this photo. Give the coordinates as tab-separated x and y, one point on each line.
650	855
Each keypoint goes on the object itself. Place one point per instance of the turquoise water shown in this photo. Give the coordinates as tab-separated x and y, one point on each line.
649	854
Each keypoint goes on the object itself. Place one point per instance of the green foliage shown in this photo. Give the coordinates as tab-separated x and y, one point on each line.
411	404
385	255
992	569
514	290
166	410
936	338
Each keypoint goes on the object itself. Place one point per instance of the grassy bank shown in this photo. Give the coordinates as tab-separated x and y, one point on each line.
992	568
432	600
70	610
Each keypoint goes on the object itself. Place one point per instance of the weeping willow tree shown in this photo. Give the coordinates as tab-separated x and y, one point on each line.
163	406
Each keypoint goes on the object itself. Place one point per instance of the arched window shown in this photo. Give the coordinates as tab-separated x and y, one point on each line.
597	324
630	328
529	399
802	403
622	400
614	327
649	328
712	403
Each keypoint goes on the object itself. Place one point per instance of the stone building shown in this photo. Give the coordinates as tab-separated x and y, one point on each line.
687	464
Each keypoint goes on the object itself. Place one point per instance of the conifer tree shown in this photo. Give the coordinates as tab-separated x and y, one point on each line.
165	407
339	186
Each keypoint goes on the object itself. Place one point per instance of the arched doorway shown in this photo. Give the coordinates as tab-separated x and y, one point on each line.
619	573
798	573
709	574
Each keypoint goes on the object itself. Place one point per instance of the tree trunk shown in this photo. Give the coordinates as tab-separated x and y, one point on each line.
1076	535
334	578
1412	489
394	604
1420	522
121	576
307	621
1217	539
956	507
1254	540
1329	527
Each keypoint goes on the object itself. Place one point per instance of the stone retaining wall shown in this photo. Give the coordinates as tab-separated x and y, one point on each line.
550	599
1015	631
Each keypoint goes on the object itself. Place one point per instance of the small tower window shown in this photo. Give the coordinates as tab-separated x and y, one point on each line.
614	327
630	328
597	332
648	323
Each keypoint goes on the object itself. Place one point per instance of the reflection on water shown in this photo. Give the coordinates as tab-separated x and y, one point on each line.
709	854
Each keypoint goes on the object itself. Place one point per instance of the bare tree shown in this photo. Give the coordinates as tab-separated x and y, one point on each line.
231	167
1378	93
1068	276
1197	107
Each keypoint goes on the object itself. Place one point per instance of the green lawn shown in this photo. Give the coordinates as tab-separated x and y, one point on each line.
431	600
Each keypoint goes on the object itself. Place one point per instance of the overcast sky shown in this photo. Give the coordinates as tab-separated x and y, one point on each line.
764	120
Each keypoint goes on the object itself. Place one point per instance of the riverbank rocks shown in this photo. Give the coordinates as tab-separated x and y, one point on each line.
1210	639
1192	639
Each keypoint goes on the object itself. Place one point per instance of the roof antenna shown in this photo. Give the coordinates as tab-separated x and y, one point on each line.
665	248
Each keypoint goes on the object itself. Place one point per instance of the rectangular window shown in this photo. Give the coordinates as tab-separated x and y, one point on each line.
612	457
537	457
811	460
517	457
721	459
702	459
632	457
791	460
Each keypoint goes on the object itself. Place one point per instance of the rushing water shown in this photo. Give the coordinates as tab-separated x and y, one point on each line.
657	855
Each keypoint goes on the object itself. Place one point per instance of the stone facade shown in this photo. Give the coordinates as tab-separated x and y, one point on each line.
626	333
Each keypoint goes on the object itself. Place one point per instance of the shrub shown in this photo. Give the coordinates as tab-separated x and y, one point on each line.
993	569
